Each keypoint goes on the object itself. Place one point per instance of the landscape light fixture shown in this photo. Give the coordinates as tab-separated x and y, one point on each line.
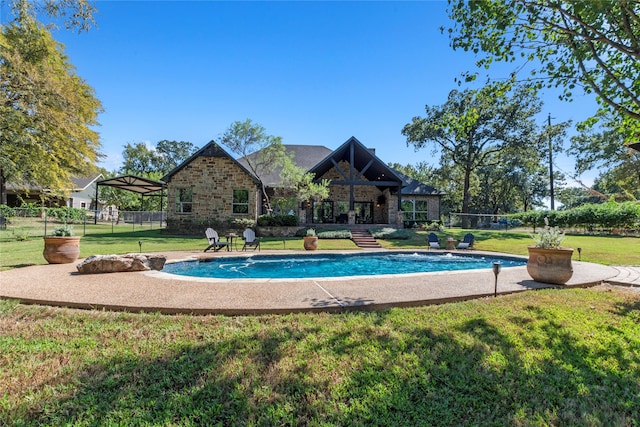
497	266
579	254
140	244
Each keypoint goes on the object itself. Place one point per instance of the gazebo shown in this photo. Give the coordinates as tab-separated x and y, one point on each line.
136	184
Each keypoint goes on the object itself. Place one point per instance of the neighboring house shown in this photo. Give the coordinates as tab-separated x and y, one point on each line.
82	195
213	186
84	192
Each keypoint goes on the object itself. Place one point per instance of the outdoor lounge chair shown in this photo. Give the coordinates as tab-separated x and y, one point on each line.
214	241
433	241
467	241
250	240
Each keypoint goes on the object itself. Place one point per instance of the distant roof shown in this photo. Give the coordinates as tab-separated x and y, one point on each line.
309	158
304	156
415	187
81	183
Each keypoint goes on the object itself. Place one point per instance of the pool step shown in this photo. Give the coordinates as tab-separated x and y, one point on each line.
364	240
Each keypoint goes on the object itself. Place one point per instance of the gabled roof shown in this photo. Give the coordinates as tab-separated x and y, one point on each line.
81	183
212	149
363	160
304	156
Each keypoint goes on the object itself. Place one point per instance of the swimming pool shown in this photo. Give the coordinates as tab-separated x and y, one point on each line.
333	265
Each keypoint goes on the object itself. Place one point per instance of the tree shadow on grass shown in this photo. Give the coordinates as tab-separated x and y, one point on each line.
225	383
361	369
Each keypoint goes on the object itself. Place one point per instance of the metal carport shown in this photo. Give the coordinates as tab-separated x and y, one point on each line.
136	184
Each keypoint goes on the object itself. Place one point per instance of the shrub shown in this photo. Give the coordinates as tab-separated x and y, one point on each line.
333	234
432	226
278	220
548	237
67	214
7	212
242	223
605	215
390	233
63	230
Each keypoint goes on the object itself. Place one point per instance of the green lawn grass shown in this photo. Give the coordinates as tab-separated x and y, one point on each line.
550	357
608	250
604	249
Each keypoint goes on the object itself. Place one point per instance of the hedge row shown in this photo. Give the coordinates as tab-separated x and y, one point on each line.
63	214
604	215
278	220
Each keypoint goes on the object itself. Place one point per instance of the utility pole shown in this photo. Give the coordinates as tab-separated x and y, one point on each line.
551	165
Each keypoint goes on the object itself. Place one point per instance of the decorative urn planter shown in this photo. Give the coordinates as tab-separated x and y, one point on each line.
550	265
61	249
311	243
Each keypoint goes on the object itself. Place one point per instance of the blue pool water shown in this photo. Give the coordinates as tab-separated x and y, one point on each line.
332	265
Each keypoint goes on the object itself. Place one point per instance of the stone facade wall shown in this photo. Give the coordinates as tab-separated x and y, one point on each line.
212	180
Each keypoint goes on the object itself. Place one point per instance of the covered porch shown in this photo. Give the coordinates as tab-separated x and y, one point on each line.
362	190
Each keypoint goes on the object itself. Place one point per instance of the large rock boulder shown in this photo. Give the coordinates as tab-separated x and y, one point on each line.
118	263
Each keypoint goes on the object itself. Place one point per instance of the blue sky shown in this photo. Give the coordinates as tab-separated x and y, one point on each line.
310	72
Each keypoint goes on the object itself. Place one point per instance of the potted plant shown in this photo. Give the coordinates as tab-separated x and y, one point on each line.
549	262
311	240
62	247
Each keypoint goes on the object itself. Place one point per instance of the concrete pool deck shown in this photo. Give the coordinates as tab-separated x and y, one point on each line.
154	291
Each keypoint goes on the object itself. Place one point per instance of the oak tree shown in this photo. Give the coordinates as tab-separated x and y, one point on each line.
474	126
567	44
47	112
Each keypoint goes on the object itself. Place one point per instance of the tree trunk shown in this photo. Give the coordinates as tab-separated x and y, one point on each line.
267	201
3	188
466	221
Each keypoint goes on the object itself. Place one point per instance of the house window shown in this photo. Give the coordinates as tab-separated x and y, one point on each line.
184	200
415	210
240	201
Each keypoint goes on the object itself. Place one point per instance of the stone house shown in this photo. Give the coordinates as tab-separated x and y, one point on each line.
212	186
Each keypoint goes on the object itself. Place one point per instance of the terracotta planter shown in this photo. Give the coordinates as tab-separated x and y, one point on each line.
61	249
550	265
311	243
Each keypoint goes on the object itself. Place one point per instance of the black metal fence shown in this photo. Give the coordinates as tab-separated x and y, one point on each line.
26	223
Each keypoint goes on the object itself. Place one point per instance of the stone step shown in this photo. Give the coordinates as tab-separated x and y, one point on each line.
364	240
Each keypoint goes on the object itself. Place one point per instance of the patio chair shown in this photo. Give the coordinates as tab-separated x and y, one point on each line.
433	241
214	241
467	241
250	240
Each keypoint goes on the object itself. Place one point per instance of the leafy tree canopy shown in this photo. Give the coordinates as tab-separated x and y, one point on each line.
263	153
586	43
143	160
474	126
73	14
618	165
47	112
